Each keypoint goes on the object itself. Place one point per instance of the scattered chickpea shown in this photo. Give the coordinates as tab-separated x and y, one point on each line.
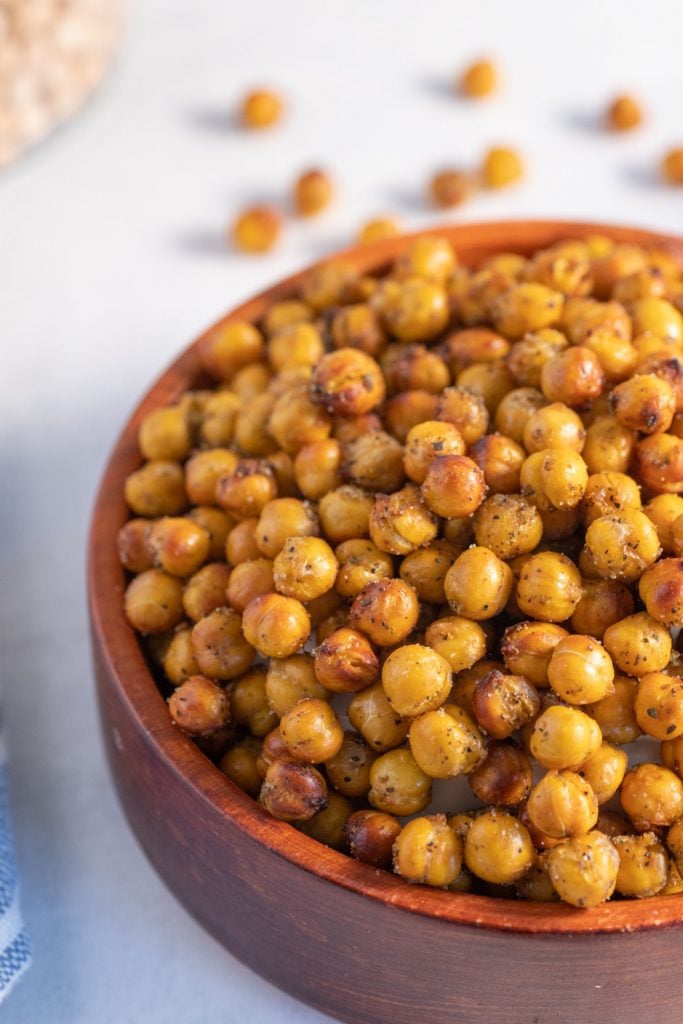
478	79
450	188
502	166
261	108
313	191
378	229
624	113
672	166
257	229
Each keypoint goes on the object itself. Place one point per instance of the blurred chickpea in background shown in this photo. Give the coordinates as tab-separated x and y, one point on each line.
256	229
261	108
478	79
624	113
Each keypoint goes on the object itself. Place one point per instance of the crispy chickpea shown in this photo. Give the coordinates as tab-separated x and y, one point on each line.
504	703
648	281
574	377
311	731
454	486
609	445
349	769
256	229
154	601
462	348
293	791
288	311
450	187
623	545
156	489
446	742
425	570
206	590
661	590
536	885
617	356
290	680
530	354
428	852
406	410
584	869
491	381
345	662
416	679
563	267
613	824
347	428
498	848
203	471
282	519
333	283
412	309
604	603
400	522
478	79
645	403
178	545
670	368
415	367
659	463
386	611
514	411
164	434
221	650
250	705
549	587
502	166
658	317
604	771
638	644
277	626
345	513
562	805
373	716
296	420
199	706
672	166
643	865
458	533
239	765
240	544
652	796
564	737
328	825
554	426
249	580
465	410
251	433
580	670
478	584
615	713
460	641
504	778
313	191
606	493
134	552
374	461
659	705
623	114
500	459
398	785
360	562
359	327
179	662
527	648
305	568
563	477
218	419
425	442
674	841
317	468
248	489
295	345
261	108
526	307
429	257
371	836
348	382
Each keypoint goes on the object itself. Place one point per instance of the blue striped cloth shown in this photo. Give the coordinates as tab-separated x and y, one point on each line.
15	952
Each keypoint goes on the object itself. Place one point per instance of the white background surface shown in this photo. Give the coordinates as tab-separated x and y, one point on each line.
112	259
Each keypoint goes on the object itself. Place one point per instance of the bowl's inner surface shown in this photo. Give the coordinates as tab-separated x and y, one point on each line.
126	662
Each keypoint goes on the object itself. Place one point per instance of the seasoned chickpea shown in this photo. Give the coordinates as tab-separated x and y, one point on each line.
374	461
427	441
478	584
373	716
348	428
305	568
643	865
412	309
617	356
277	626
203	471
345	662
670	368
504	778
256	229
514	411
317	468
281	519
345	513
218	418
295	345
261	108
604	604
311	731
289	680
580	670
416	679
658	317
527	357
460	641
491	381
349	769
549	587
288	311
638	644
536	885
554	426
500	459
564	737
206	590
428	257
293	791
454	486
446	742
398	785
659	705
621	546
411	367
154	601
348	382
358	327
606	493
502	166
371	836
604	771
401	522
249	580
462	348
615	713
165	434
360	562
178	545
247	490
240	544
563	477
609	445
199	706
465	410
584	869
296	420
646	403
504	703
239	765
219	646
498	848
333	283
659	463
562	805
652	796
386	611
156	489
526	307
674	841
574	377
406	410
179	662
661	590
527	648
563	267
428	852
328	826
672	166
134	552
250	705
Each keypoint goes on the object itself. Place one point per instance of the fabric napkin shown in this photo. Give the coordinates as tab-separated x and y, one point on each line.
15	952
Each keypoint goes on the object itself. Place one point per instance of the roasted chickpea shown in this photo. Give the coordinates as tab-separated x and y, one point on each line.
621	546
514	410
425	570
504	778
498	848
348	382
240	544
604	603
500	459
674	841
460	641
527	357
293	791
502	166
643	865
398	785
606	493
638	644
580	670
615	713
221	650
400	522
652	796
659	317
305	568
371	836
333	283
311	731
446	742
358	327
289	680
199	706
261	108
276	625
386	611
249	580
617	356
165	434
661	590
462	348
527	648
349	769
416	679
178	545
218	418
564	737
609	445
623	114
584	869
478	584
156	489
345	513
154	601
604	771
134	552
414	367
282	519
250	705
360	562
563	267
256	229
659	705
563	477
317	468
239	765
526	307
465	410
412	309
428	852
373	716
295	345
504	703
406	410
646	403
428	257
313	191
328	826
549	587
206	590
179	662
536	885
348	428
450	187
426	442
491	381
562	805
454	486
345	662
659	463
374	461
554	426
296	420
247	490
478	79
574	377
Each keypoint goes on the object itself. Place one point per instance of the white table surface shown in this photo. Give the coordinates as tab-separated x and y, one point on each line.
112	259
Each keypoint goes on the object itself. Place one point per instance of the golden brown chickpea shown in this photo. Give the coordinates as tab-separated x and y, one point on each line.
348	428
504	703
615	712
604	771
478	584
454	486
358	327
249	580
277	626
478	79
261	108
251	432
617	356
652	797
428	852
604	603
669	367
582	316
311	731
317	468
526	307
273	748
606	493
374	461
504	778
373	716
643	865
498	848
405	411
638	644
527	648
371	835
134	552
621	546
672	167
398	785
491	381
164	434
281	519
425	570
465	410
609	445
239	765
458	533
563	477
296	420
661	590
416	679
649	281
502	166
217	524
400	522
500	459
348	382
645	403
333	283
250	706
328	826
412	309
460	641
313	191
563	267
290	680
256	229
536	885
446	742
584	869
293	791
562	805
613	824
659	705
344	513
429	257
156	489
345	662
245	492
527	357
414	367
574	377
206	590
549	587
386	610
305	568
199	706
295	345
674	841
288	311
349	769
240	544
218	419
450	187
540	840
659	463
676	533
623	114
425	442
221	650
514	411
178	545
580	670
658	317
377	230
179	662
203	471
554	426
154	602
462	348
564	737
360	562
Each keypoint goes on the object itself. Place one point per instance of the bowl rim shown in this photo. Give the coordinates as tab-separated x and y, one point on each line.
129	674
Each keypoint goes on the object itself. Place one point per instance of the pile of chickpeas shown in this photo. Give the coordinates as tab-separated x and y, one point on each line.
429	526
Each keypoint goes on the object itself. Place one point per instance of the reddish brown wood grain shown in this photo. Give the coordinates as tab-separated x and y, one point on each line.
356	943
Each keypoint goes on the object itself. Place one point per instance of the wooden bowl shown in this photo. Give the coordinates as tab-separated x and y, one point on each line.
356	943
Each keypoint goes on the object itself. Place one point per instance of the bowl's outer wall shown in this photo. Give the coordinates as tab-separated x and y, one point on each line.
355	943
